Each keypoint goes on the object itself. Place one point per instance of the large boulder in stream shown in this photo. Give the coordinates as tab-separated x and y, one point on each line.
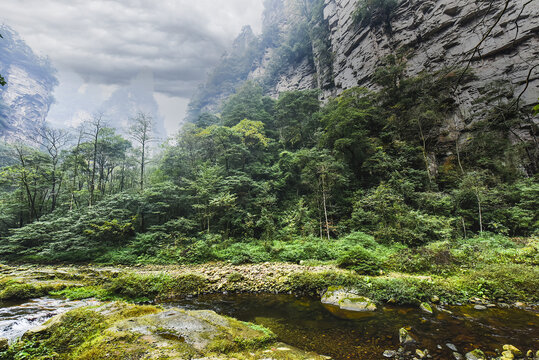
346	300
112	330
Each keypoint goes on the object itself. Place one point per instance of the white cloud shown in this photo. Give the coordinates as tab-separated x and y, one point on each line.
107	43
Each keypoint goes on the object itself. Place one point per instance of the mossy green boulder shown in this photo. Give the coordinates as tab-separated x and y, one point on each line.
513	349
112	330
346	300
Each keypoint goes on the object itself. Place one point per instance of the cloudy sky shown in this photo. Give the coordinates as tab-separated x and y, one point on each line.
100	46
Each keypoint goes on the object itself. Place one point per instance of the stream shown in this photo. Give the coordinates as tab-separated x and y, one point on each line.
309	325
18	317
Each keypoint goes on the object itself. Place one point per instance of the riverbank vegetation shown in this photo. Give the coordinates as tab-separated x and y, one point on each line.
376	182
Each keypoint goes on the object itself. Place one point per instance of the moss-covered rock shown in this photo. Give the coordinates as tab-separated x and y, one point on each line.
116	330
346	300
405	337
425	307
513	349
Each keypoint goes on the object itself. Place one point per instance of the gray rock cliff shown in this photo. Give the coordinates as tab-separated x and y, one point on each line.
437	34
26	99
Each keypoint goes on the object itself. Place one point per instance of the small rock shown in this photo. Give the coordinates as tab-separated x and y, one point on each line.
420	353
513	349
480	307
405	337
491	305
507	355
520	304
439	347
476	355
452	347
425	307
4	344
529	354
390	353
458	356
434	299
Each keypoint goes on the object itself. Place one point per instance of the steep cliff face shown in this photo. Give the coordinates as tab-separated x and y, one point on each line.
27	97
498	43
497	40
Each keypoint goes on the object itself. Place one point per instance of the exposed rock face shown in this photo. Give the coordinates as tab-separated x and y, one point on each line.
27	97
437	33
444	33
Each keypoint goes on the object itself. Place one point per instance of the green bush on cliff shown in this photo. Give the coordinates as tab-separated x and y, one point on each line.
375	12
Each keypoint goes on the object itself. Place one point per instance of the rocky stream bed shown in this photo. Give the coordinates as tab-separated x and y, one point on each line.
272	322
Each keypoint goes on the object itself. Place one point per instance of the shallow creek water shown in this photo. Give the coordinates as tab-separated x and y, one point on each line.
18	317
309	325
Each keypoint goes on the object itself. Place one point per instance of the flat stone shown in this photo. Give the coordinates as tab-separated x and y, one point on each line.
480	307
452	347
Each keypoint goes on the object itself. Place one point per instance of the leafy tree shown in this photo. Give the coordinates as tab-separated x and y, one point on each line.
142	132
323	174
247	103
53	140
295	120
348	122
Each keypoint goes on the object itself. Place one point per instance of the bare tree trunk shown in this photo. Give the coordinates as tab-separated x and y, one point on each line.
325	207
480	214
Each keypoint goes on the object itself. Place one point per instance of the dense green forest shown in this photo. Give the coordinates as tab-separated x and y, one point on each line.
289	179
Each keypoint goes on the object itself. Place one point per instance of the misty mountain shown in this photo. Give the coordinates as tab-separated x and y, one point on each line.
26	99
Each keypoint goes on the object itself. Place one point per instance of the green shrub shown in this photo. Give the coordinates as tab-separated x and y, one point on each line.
375	12
316	283
139	286
144	287
83	292
244	253
198	252
20	291
361	261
